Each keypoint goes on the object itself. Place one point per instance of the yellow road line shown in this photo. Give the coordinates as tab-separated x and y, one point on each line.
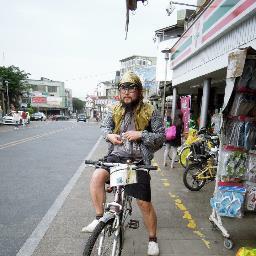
186	214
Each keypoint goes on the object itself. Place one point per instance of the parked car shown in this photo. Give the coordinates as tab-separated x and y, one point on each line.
38	116
73	116
60	117
8	119
81	117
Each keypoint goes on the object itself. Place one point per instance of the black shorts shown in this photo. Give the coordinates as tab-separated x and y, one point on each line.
140	190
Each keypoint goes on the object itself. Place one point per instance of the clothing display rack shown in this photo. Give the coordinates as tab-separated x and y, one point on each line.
235	188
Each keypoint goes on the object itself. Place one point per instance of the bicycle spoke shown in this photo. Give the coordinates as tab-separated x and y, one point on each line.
194	177
104	241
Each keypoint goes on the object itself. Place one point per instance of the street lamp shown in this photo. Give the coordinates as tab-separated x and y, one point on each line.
7	94
166	57
172	4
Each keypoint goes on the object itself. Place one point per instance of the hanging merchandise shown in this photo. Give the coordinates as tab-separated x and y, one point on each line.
247	80
232	164
240	132
249	135
250	199
235	190
243	104
250	174
228	201
252	82
233	132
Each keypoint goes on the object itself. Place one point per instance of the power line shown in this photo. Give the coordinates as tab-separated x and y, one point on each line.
91	76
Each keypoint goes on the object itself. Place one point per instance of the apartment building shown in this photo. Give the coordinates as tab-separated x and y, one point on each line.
50	97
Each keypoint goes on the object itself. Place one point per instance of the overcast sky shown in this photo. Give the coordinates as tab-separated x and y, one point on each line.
79	42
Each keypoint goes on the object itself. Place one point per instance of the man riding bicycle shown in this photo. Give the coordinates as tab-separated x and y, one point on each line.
134	131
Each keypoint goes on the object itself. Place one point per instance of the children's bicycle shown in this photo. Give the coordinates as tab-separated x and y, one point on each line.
197	174
108	236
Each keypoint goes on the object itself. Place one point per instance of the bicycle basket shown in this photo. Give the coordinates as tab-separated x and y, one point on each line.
122	175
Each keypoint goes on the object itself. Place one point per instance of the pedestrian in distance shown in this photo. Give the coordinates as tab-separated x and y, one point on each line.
173	140
16	119
134	130
24	117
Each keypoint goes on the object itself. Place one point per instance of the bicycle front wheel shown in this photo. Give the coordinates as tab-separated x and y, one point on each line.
193	177
183	155
104	240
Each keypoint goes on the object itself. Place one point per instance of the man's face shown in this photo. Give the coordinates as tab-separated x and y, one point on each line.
128	94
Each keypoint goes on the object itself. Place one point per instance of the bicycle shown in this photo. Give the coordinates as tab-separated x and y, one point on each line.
204	170
189	154
108	236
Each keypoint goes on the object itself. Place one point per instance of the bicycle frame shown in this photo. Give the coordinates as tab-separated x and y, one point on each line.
210	169
119	209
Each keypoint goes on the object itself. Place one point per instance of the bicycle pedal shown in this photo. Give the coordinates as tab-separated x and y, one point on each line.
134	224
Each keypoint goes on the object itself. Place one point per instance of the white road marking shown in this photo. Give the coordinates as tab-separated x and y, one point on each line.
32	242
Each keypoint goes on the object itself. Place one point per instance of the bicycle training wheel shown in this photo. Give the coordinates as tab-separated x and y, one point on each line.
183	156
102	239
191	179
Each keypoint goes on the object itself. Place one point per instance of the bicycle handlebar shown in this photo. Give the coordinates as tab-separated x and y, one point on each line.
148	167
106	164
90	162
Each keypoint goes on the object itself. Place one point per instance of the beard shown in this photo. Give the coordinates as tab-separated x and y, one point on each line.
131	105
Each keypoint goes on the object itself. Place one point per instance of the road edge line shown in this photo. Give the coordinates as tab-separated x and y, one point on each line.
32	242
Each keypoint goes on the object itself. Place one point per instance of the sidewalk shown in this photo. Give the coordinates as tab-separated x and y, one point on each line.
183	226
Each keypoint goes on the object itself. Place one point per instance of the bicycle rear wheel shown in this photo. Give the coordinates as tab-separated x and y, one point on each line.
103	238
191	178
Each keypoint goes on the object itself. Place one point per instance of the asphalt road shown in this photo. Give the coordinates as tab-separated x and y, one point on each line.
36	163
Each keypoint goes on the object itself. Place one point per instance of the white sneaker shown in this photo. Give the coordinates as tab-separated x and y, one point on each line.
153	248
89	228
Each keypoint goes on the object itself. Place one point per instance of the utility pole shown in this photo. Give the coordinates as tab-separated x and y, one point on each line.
166	57
7	95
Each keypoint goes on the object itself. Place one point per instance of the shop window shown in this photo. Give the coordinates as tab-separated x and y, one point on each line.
52	88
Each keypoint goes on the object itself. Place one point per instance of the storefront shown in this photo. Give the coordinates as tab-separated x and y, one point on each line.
199	59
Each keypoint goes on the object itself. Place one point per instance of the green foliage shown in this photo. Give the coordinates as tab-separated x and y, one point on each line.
78	105
31	110
17	81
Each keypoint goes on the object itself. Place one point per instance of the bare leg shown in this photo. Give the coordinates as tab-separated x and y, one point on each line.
174	154
149	216
97	189
166	152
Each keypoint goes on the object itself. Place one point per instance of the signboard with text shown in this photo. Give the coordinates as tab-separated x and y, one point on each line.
39	100
54	101
185	109
219	17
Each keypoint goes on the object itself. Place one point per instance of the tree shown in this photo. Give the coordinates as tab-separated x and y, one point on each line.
16	82
78	105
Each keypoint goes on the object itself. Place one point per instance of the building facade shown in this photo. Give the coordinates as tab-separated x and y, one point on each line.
145	68
199	59
50	96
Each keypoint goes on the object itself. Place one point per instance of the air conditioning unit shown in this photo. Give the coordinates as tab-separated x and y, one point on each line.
183	15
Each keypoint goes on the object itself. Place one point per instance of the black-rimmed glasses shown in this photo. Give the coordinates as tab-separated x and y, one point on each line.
128	88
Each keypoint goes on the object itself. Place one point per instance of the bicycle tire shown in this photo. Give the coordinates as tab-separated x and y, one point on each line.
103	229
196	184
183	156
